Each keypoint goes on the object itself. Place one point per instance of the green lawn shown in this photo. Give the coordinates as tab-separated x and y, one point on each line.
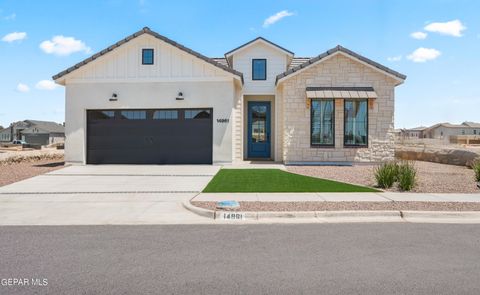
274	180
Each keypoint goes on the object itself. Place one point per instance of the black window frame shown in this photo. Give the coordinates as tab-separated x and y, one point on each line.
321	145
143	56
345	124
265	76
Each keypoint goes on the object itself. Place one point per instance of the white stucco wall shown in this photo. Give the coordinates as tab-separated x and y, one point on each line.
84	96
141	86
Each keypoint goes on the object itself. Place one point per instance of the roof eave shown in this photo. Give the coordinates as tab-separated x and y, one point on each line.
145	30
400	78
233	51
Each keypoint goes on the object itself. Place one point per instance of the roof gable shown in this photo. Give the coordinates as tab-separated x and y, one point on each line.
146	30
342	50
259	40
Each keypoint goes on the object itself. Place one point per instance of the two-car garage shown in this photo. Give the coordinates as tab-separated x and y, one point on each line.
149	136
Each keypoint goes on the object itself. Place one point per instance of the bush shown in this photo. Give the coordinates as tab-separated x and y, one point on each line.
406	176
476	169
386	174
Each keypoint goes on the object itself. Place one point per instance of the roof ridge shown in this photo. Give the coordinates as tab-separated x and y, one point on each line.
146	30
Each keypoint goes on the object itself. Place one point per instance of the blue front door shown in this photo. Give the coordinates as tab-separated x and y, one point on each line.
258	130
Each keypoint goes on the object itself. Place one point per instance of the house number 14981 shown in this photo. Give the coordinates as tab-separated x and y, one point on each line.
223	120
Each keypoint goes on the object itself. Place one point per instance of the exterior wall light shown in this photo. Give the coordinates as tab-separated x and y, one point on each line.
113	98
180	96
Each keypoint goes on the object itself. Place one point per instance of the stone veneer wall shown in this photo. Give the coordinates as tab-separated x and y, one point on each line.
338	70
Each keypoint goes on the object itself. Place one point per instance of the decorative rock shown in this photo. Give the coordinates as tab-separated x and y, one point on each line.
228	205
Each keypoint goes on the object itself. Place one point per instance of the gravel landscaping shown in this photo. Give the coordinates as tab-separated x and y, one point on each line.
431	177
10	173
345	206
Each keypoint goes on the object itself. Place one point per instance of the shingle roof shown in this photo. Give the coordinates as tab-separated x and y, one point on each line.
50	127
221	60
256	39
147	30
296	61
344	50
471	124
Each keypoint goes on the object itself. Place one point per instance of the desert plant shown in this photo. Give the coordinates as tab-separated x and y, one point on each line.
476	169
406	175
386	174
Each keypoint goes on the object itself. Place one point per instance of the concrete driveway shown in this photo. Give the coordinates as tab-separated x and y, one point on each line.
107	194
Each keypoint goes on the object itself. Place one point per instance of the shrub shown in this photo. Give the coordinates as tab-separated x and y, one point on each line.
406	176
476	169
386	174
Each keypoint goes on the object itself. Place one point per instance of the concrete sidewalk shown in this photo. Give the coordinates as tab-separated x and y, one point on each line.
337	197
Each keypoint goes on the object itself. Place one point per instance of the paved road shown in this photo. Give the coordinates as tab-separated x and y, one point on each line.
244	259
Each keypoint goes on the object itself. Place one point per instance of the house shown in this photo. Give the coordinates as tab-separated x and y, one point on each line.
455	133
149	99
34	132
413	133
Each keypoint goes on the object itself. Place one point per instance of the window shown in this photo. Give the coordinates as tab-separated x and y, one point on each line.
322	122
147	56
134	115
356	123
101	115
259	69
165	115
197	114
475	131
463	132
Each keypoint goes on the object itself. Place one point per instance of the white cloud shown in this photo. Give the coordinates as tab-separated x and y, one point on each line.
424	54
10	17
395	58
46	85
452	28
15	36
23	88
61	45
276	17
418	35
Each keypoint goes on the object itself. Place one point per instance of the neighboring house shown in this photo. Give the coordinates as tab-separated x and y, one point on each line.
148	99
5	134
454	133
34	132
413	133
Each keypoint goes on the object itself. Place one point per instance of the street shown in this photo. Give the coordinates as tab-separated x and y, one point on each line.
397	258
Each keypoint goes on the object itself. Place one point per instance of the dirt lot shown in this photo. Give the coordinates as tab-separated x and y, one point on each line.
431	177
19	171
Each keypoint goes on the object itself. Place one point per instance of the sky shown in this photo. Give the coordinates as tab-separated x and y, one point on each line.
435	43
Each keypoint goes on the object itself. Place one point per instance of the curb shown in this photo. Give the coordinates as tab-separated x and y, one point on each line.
346	216
466	216
197	210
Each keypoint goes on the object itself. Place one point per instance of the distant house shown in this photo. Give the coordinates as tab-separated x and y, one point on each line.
467	132
413	133
34	132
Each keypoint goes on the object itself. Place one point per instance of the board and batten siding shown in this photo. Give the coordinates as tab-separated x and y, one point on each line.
125	63
276	64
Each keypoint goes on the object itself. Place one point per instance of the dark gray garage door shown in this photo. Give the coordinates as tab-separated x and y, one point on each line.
180	136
